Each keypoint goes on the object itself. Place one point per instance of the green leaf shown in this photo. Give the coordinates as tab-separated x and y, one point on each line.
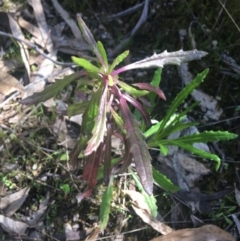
77	108
99	126
155	82
131	90
164	149
193	150
181	97
100	170
86	64
118	120
163	182
66	188
91	112
208	136
149	199
103	53
52	90
118	60
105	205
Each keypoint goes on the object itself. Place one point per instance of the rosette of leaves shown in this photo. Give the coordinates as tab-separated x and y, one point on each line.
108	110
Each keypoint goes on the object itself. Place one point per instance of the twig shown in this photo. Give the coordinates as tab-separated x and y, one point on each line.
35	47
141	20
65	16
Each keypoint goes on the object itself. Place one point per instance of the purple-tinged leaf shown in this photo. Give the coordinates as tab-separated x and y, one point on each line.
52	90
83	195
159	60
90	39
140	108
131	90
100	125
138	147
147	86
127	158
91	167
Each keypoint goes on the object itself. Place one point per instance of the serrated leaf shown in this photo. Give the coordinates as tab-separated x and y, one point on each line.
90	39
131	90
193	150
138	147
102	51
118	60
105	206
163	182
180	99
207	136
175	58
85	64
150	200
51	90
99	125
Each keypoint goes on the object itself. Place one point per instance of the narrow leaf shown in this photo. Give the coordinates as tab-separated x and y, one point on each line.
163	182
175	58
149	87
52	90
103	53
140	108
181	97
77	108
100	125
155	82
150	200
91	112
90	39
118	120
131	90
107	154
91	167
118	60
207	136
138	147
105	205
100	170
85	64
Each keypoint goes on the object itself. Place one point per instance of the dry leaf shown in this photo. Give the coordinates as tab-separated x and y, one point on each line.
204	233
12	226
9	84
142	210
192	165
11	203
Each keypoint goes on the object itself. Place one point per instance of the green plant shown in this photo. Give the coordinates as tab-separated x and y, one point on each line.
105	106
